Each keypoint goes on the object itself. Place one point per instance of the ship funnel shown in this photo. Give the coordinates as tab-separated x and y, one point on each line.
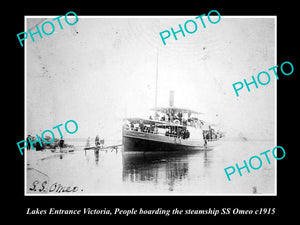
171	99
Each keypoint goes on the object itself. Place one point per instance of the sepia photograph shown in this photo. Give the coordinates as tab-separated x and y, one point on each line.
150	105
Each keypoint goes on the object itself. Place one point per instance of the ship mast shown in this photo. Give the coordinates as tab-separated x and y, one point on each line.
156	82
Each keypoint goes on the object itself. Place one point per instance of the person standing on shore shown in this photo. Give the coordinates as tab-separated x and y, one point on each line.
27	139
97	141
61	143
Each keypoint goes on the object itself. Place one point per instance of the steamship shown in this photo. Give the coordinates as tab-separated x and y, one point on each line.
170	129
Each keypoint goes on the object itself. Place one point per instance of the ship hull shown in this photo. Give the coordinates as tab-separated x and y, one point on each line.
142	142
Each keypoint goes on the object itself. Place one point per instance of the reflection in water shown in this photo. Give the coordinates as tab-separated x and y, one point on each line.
206	160
96	152
104	151
118	172
176	171
172	167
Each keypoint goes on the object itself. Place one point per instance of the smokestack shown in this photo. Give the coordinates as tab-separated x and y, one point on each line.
171	100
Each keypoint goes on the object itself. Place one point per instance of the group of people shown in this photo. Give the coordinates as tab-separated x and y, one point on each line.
180	133
99	142
37	146
142	127
171	117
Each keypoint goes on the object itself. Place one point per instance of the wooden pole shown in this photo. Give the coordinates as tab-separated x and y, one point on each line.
156	81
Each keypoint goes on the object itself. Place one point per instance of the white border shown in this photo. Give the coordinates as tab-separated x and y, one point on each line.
168	195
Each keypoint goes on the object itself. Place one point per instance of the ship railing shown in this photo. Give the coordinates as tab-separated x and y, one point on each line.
156	131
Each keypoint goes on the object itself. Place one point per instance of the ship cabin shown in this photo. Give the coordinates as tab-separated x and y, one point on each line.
167	121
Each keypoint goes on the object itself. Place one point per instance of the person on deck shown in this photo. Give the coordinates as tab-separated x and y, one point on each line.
156	116
187	134
180	117
131	126
141	125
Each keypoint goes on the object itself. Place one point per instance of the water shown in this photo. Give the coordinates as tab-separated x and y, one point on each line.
117	173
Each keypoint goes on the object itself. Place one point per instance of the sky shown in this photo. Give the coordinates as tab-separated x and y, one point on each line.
103	69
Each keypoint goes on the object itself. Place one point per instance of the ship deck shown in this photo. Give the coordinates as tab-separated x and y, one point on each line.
141	141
